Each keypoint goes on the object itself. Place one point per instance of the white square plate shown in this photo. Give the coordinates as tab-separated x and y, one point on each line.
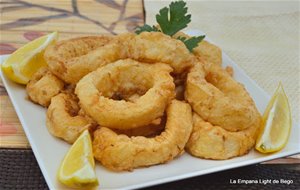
49	151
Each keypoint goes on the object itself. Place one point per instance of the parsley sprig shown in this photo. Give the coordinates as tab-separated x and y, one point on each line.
146	28
192	42
177	20
171	20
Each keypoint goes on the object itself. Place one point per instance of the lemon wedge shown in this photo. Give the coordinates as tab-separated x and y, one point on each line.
20	65
277	122
77	168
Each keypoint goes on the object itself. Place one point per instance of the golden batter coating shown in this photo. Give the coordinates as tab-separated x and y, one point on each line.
103	93
120	152
43	86
205	50
213	142
218	98
64	119
150	47
65	53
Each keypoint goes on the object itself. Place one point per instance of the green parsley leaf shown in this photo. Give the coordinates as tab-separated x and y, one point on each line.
146	28
192	42
173	19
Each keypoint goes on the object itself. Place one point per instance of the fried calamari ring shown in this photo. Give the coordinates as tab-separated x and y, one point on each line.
205	50
218	98
61	55
208	52
150	47
120	152
63	120
213	142
122	79
43	86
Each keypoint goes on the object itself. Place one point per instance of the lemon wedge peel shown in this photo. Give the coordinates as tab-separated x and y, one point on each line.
20	65
79	172
274	133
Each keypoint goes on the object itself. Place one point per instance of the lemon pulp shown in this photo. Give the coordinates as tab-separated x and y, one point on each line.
24	62
277	123
77	168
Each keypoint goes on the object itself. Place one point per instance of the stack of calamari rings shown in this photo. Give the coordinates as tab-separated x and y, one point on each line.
145	99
